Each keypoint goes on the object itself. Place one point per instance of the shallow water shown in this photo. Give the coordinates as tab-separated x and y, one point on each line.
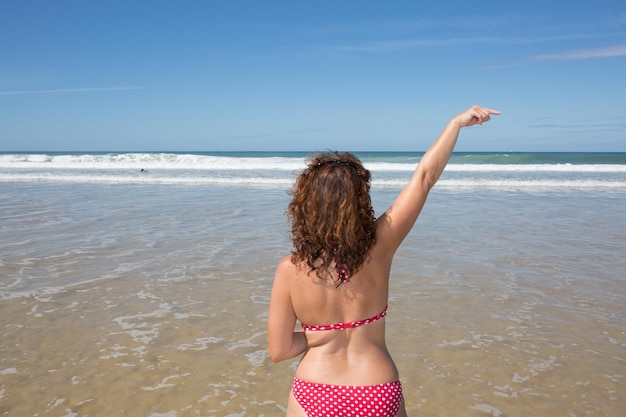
151	300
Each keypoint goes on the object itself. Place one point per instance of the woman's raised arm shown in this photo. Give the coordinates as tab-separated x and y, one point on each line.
393	226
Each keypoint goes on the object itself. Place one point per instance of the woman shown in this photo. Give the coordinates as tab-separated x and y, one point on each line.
339	273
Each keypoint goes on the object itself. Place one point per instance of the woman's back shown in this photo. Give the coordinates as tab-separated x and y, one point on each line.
338	273
353	353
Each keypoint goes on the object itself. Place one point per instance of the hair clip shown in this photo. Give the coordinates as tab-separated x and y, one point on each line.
336	162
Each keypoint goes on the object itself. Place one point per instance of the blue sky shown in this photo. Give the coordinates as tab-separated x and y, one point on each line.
295	75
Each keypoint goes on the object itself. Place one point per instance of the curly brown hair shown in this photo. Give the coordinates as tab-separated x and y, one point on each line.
332	215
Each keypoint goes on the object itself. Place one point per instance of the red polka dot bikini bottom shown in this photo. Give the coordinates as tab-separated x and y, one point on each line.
323	400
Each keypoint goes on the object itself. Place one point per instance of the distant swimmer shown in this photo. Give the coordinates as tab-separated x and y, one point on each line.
143	170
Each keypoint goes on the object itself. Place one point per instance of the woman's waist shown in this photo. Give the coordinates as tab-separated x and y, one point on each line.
363	366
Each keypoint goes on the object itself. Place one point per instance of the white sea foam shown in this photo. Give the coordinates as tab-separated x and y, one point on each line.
200	344
488	409
129	179
485	183
515	184
257	358
169	161
384	166
536	168
148	161
278	171
164	382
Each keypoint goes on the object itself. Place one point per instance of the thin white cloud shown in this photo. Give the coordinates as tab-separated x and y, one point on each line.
569	55
400	26
603	52
388	46
496	66
309	130
68	90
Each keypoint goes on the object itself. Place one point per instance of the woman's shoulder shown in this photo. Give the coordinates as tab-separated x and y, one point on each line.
285	263
286	268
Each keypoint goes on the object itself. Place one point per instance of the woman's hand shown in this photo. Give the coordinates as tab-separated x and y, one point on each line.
475	115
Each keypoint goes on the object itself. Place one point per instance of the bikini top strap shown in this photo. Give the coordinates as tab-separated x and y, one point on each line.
348	324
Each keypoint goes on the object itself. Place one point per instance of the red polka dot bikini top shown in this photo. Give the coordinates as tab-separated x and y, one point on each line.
347	324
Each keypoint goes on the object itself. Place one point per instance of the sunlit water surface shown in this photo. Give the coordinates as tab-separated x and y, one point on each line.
151	300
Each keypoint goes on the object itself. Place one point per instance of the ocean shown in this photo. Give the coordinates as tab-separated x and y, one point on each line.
137	284
276	169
